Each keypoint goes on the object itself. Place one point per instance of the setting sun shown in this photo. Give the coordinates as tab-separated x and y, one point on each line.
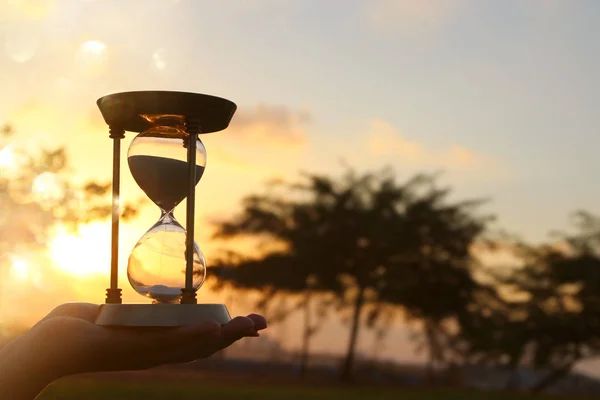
405	189
83	253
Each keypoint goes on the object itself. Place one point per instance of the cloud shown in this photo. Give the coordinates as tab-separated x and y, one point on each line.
458	155
271	125
27	10
385	141
412	14
226	158
418	16
21	25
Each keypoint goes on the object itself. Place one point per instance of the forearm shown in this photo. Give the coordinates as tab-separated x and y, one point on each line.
23	375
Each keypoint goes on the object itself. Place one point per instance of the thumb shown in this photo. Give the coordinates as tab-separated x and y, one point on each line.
85	311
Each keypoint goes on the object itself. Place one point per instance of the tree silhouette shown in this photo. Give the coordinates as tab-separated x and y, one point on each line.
550	321
367	240
265	274
36	195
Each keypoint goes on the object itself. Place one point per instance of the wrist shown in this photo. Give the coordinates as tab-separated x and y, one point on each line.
24	372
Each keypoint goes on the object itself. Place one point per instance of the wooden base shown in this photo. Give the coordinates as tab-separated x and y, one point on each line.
161	315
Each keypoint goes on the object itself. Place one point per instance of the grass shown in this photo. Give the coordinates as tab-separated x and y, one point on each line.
90	389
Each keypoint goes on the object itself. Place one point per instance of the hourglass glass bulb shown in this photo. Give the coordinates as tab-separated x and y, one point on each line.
156	267
157	159
158	162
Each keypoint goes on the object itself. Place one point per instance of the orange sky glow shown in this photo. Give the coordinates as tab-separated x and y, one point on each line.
421	86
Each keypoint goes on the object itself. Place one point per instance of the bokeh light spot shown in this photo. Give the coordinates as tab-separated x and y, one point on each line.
159	59
7	157
48	187
93	47
93	57
21	45
19	269
11	161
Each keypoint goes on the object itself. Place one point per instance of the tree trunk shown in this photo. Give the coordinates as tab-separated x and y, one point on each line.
281	321
433	350
306	335
377	345
552	378
514	381
348	364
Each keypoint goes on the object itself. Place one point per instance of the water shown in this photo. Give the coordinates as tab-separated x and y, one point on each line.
164	180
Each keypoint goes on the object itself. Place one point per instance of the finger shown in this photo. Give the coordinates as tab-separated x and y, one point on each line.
205	339
237	328
260	322
85	311
234	330
192	342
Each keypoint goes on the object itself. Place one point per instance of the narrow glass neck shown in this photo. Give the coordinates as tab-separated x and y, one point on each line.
166	216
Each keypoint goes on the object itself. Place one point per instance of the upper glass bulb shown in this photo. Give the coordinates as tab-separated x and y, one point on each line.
157	159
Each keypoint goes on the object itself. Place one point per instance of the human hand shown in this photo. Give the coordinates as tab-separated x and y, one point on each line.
68	342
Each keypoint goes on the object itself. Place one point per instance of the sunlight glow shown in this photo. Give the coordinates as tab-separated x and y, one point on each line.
63	83
11	160
30	10
84	253
22	271
93	46
19	269
93	57
48	187
7	157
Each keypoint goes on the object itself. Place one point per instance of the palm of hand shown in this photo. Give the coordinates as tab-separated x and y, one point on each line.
68	342
78	345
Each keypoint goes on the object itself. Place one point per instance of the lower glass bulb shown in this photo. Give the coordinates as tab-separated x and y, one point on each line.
157	264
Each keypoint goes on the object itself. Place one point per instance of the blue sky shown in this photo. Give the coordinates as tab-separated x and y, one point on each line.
501	95
512	82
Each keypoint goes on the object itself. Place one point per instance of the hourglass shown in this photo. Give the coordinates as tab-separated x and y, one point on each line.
167	160
158	162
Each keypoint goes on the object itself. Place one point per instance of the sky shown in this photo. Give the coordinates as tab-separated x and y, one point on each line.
500	96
